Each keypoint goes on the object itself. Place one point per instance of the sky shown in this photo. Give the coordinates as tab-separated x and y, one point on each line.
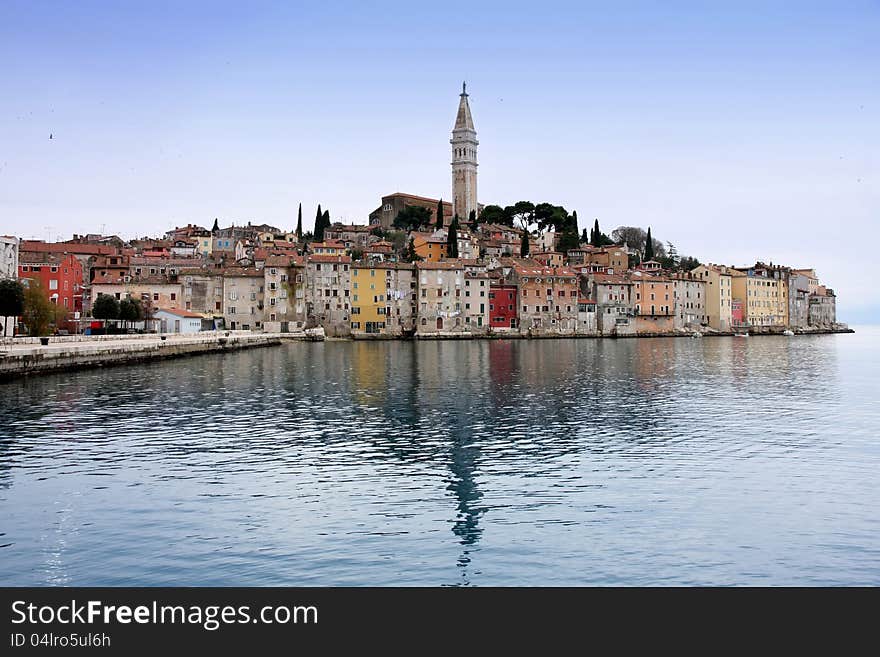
738	131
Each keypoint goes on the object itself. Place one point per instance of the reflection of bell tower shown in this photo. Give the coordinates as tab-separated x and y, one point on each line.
464	160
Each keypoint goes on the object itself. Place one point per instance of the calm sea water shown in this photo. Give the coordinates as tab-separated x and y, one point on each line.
557	462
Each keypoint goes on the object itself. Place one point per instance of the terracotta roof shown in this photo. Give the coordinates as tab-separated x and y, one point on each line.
446	264
613	279
66	247
330	258
235	272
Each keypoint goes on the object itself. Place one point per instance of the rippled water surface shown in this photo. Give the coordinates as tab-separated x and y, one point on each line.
656	461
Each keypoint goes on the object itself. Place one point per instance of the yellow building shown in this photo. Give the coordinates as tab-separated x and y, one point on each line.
368	299
719	294
429	248
763	292
205	244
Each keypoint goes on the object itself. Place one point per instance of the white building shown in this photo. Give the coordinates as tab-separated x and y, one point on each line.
175	320
8	256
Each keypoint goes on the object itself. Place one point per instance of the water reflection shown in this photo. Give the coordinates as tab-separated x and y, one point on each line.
503	461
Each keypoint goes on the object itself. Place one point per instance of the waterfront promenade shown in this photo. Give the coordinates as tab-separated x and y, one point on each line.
27	355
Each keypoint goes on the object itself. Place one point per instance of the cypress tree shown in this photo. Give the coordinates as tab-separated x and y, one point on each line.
216	227
524	245
596	235
472	217
440	213
452	239
649	247
299	222
319	225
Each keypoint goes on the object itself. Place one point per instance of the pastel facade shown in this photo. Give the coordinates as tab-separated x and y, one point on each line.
654	303
328	294
823	308
383	297
615	308
690	301
243	292
548	298
476	301
202	291
587	321
174	320
285	293
503	302
764	296
719	294
440	298
61	277
430	248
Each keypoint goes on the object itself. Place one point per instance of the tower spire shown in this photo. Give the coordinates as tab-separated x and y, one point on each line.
464	159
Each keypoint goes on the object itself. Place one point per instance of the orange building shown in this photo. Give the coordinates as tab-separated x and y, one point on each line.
429	248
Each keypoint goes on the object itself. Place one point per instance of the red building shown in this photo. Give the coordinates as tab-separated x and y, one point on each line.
61	276
736	312
502	306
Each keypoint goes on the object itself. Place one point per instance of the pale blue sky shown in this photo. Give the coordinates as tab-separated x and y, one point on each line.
738	131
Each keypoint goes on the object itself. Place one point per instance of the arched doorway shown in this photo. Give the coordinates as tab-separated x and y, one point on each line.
439	323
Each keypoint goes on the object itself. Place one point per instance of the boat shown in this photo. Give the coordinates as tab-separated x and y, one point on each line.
740	335
787	332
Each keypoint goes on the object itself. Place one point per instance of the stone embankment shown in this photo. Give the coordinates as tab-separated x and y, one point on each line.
22	356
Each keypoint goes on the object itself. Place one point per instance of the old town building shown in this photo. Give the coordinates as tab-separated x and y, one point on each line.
328	293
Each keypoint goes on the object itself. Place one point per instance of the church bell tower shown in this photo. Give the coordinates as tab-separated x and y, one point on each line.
464	160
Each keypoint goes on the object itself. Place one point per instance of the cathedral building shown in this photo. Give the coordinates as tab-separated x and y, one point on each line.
464	178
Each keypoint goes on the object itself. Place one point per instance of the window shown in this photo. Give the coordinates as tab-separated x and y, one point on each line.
53	284
173	296
155	296
231	310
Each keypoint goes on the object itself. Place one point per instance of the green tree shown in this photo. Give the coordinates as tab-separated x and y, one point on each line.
595	237
522	212
438	220
687	263
409	253
397	239
649	246
11	300
568	233
494	214
216	227
319	225
130	310
524	244
299	222
413	217
452	239
105	307
39	314
552	216
472	217
586	238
